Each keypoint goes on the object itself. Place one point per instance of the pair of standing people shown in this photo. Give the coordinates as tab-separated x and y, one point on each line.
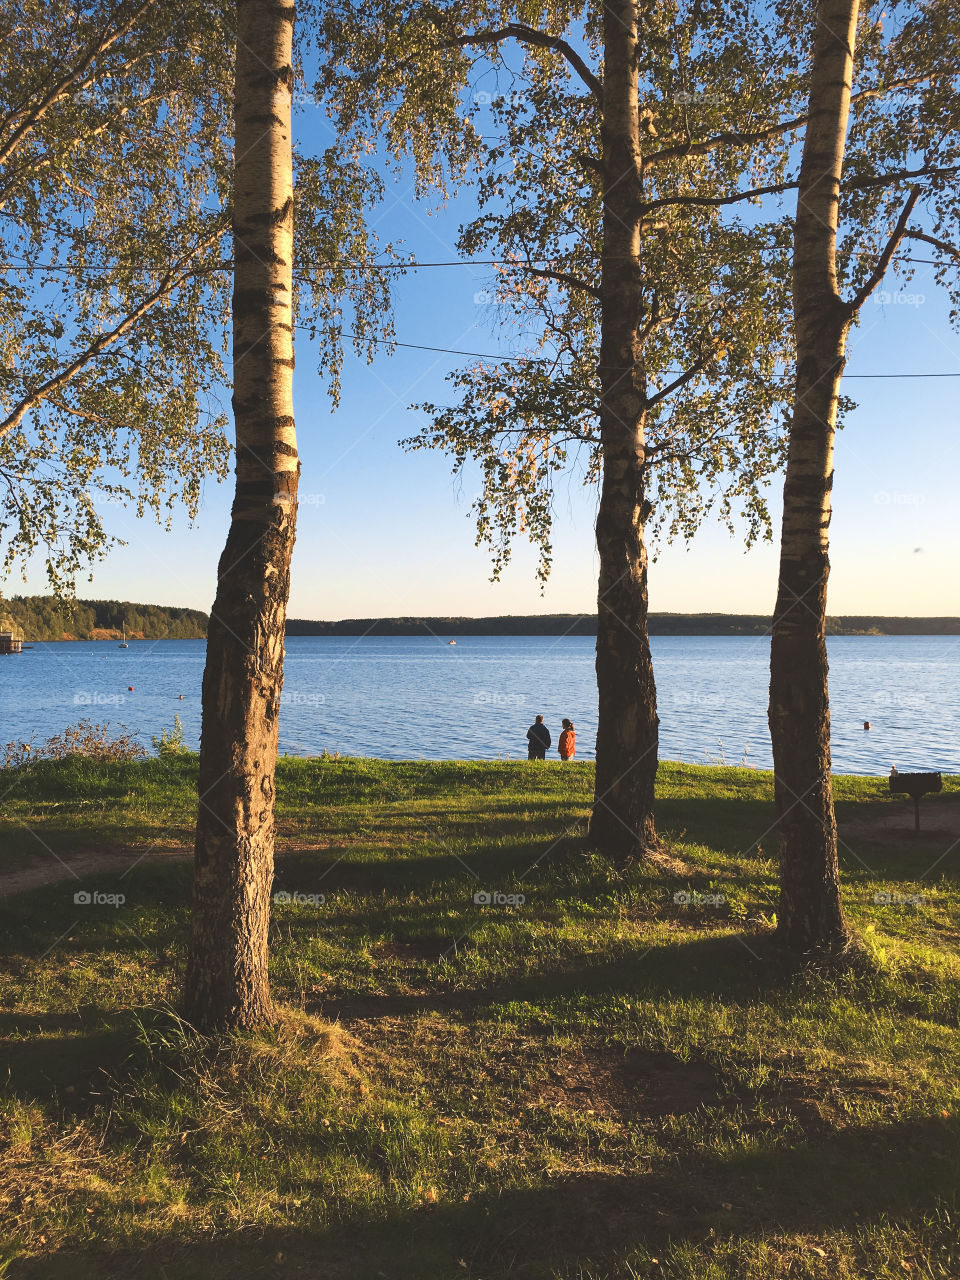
538	740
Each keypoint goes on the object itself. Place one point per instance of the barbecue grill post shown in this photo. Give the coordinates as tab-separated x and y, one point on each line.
915	785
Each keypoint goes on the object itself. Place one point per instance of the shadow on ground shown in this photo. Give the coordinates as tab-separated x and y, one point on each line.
855	1179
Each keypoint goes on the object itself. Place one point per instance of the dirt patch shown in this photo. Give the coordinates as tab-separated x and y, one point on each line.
939	821
412	951
76	866
614	1084
80	865
808	1105
643	1084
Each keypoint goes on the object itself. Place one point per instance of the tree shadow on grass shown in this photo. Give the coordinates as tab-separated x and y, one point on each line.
366	868
63	1067
735	967
855	1179
60	1057
547	869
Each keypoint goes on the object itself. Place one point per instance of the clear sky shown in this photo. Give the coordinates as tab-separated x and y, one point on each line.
384	532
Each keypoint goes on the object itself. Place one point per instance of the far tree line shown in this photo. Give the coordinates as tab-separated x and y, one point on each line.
573	624
51	618
54	618
687	207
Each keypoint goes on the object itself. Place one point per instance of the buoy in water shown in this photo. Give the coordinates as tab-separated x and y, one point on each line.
129	688
181	697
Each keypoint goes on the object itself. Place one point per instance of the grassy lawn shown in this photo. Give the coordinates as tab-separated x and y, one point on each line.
618	1076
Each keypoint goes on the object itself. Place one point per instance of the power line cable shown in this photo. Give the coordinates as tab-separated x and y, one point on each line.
505	358
413	266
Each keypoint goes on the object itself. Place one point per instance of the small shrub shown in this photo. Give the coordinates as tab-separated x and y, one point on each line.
92	741
170	742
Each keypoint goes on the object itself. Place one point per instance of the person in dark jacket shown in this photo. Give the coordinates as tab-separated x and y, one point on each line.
538	740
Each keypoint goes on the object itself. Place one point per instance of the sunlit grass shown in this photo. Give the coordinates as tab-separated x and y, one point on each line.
618	1076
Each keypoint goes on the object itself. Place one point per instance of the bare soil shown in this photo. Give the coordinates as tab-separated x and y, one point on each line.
939	821
610	1083
79	865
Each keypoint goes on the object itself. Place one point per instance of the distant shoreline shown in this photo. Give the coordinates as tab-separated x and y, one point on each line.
44	621
661	624
423	633
48	620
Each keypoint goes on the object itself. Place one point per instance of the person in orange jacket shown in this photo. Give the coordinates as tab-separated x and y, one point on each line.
568	741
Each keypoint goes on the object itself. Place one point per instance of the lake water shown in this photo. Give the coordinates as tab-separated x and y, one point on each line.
406	698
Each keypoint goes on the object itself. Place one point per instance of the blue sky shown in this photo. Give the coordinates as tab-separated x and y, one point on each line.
383	532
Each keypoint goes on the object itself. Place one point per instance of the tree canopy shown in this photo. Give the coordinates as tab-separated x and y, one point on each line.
515	93
529	112
115	280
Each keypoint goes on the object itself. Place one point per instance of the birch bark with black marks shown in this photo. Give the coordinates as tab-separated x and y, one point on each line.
622	821
810	916
227	982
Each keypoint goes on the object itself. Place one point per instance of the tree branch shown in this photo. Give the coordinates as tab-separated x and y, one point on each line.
777	188
658	455
530	35
689	374
728	138
590	162
99	419
677	383
78	77
565	277
877	274
944	246
735	138
176	275
903	175
667	202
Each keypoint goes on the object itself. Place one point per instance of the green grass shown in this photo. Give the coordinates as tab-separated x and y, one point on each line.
601	1082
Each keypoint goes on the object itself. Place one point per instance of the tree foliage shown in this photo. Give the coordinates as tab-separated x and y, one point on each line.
115	280
715	339
513	93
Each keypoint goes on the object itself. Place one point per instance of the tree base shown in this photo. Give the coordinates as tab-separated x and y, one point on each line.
835	950
622	842
210	1017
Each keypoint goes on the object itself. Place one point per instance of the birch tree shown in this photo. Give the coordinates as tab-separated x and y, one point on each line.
657	356
880	211
131	242
277	276
227	981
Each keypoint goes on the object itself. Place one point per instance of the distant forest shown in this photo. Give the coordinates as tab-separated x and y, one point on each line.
574	624
47	618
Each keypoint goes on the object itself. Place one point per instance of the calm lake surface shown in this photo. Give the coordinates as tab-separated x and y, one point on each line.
406	698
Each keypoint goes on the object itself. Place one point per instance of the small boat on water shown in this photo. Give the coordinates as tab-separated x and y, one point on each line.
451	642
123	643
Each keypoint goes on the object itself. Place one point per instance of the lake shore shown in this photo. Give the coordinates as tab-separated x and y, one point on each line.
421	697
